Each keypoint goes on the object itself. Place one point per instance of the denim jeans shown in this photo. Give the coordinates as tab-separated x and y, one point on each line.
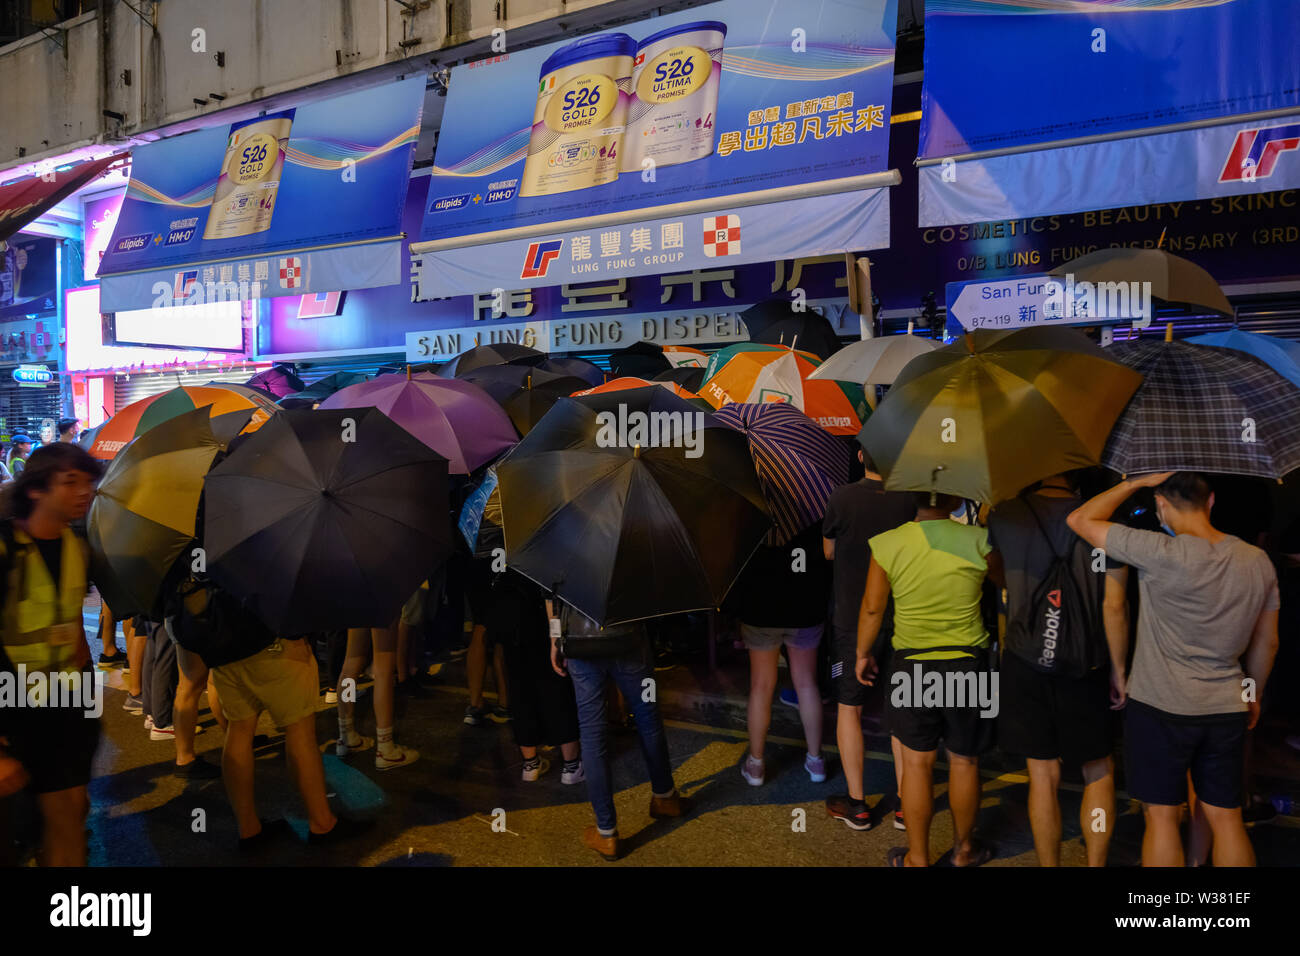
590	678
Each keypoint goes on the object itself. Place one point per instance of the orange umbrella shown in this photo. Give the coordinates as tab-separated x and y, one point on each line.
628	381
233	411
751	372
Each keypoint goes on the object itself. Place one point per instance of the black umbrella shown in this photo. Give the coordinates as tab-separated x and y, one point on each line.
525	393
638	360
144	513
687	376
775	322
318	391
497	354
326	519
624	529
589	372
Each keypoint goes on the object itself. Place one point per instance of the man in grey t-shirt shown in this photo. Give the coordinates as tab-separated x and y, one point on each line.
1206	638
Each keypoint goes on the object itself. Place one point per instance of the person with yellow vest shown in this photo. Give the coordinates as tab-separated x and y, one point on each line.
43	578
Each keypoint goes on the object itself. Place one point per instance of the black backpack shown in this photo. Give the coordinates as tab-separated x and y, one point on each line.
210	622
1065	624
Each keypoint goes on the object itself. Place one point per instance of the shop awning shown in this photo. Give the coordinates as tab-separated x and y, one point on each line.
302	200
1047	107
737	132
26	199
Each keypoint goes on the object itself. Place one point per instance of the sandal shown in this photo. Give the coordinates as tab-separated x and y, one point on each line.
895	856
982	854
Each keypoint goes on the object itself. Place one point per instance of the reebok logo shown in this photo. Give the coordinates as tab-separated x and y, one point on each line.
1051	628
1054	598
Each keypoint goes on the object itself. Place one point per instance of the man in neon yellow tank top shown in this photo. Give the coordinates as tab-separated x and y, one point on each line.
939	687
43	566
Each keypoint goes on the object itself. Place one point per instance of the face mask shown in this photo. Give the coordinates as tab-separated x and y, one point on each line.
1168	530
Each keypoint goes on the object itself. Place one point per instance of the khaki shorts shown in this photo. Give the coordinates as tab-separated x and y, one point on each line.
281	679
771	638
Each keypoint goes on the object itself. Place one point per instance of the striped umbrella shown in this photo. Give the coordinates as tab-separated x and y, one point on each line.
234	410
799	463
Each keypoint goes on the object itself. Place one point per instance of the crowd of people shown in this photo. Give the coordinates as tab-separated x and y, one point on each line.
1039	627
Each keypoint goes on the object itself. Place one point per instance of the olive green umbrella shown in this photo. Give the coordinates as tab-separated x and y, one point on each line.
997	411
1173	279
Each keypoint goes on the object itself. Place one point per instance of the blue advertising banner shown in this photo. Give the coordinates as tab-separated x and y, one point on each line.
303	200
1130	96
736	104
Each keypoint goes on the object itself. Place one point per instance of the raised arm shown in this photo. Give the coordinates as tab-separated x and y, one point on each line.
1091	520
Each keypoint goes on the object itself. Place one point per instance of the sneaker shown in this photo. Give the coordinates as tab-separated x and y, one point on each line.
898	820
162	733
752	771
148	722
673	805
816	768
855	813
531	774
109	661
197	769
403	757
499	715
577	775
331	696
474	716
344	829
342	748
789	697
134	704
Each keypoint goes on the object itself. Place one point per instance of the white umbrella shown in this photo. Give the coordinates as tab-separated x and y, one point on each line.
875	361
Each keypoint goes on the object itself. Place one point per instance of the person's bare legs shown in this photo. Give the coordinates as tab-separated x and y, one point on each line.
1045	810
237	773
762	684
185	708
848	737
917	788
1200	838
896	748
354	661
135	644
476	665
499	668
1232	846
308	773
571	751
63	826
384	643
1161	845
214	703
964	800
803	673
107	629
1098	794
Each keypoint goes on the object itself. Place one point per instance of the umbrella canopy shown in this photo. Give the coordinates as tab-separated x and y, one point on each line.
1281	355
315	532
683	356
997	411
480	517
874	361
233	410
775	322
525	394
279	380
143	516
1173	279
589	372
322	389
687	376
799	463
754	373
497	354
638	360
1204	409
456	419
624	531
627	382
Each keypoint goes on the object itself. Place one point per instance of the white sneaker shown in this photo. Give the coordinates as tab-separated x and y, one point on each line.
331	696
403	756
816	768
543	765
752	771
343	748
162	733
573	776
148	723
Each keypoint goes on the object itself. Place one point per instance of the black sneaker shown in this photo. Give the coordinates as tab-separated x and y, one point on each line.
345	828
855	813
271	831
499	715
474	716
108	661
197	769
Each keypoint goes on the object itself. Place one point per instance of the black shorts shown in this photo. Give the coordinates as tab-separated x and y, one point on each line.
848	690
1160	748
966	730
55	745
1043	717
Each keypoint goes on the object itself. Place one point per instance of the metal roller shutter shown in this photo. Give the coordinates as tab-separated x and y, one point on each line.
142	385
26	409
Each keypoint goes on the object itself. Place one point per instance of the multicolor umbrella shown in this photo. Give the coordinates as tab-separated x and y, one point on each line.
1204	409
314	532
624	530
497	354
875	361
997	411
683	356
754	373
799	463
233	410
1281	355
144	514
456	419
322	389
279	380
525	394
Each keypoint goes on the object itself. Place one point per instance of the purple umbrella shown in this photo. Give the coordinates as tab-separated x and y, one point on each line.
456	419
277	380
